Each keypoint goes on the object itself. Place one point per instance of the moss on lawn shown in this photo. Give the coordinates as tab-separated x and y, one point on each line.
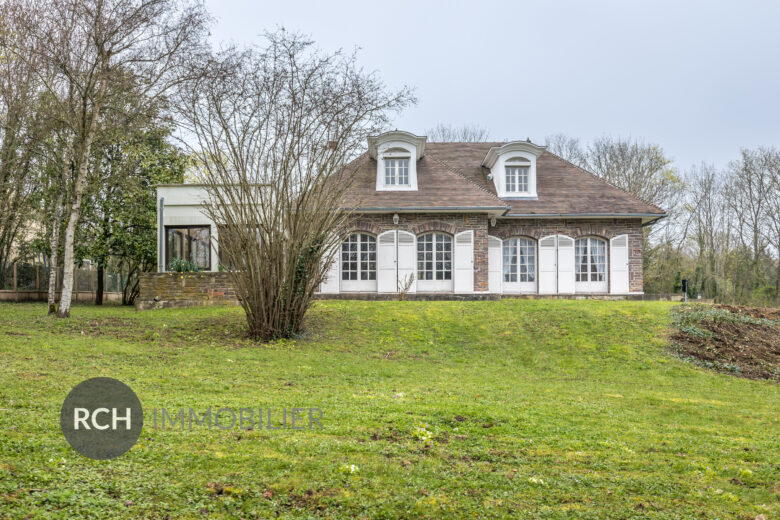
515	408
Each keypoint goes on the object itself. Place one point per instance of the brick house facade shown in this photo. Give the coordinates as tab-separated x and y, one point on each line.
506	218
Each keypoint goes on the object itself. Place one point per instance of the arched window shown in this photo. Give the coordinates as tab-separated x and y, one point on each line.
358	262
519	264
590	264
434	257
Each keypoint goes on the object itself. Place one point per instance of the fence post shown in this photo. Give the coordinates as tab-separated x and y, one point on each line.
16	287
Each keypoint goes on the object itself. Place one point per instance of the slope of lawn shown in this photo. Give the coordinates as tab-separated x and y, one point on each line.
510	409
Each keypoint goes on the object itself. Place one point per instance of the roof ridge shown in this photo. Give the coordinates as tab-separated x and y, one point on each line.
463	176
640	199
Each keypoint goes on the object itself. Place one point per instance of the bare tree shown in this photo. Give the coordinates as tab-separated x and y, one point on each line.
21	128
464	134
748	192
772	164
641	169
96	53
274	133
566	147
707	222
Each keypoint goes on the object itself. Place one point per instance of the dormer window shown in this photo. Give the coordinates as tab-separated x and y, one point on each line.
396	154
516	175
396	167
513	169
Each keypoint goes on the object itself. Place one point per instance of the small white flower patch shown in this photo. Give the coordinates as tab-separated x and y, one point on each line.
534	480
422	433
349	468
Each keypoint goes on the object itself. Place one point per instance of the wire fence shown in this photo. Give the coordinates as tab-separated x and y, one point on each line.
23	277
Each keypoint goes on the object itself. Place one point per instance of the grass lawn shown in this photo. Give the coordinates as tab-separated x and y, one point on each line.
536	409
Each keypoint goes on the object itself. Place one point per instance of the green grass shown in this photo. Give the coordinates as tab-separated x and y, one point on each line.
536	409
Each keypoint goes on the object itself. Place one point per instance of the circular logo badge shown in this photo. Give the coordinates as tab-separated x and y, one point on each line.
101	418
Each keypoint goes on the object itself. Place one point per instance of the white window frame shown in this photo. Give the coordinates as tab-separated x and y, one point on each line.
388	154
518	285
517	153
439	261
517	176
396	170
584	282
365	278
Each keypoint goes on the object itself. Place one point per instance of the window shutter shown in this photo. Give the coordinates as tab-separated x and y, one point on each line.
494	264
330	284
618	265
407	260
464	262
548	268
565	265
386	262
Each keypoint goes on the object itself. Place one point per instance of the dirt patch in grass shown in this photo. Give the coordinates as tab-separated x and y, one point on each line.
743	341
106	326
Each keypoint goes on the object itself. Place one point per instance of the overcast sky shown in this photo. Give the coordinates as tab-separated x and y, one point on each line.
702	79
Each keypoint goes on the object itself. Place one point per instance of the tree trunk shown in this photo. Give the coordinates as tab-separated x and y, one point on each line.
75	208
99	288
59	208
55	246
130	286
68	265
777	277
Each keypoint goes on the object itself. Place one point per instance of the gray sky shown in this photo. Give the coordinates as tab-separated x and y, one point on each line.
702	79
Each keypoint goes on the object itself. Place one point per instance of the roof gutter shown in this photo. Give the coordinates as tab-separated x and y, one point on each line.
429	208
653	221
656	216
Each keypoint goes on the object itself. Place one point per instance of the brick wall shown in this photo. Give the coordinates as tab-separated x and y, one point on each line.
447	223
176	289
603	228
160	290
534	228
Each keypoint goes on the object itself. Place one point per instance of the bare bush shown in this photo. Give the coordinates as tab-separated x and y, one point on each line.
405	285
274	132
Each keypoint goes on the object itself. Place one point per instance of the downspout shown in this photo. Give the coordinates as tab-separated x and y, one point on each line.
161	237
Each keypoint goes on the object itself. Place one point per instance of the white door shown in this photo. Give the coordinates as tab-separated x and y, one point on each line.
591	265
435	263
358	263
494	265
464	262
519	271
386	262
407	256
565	265
548	268
618	264
330	284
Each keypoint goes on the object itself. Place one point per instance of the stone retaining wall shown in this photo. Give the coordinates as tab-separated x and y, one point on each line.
160	290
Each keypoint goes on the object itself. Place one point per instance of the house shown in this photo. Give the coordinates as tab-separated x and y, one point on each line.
462	218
